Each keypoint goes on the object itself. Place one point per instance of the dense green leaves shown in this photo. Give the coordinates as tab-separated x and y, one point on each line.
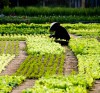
87	51
87	30
23	28
36	66
62	84
49	19
9	47
89	64
47	58
43	45
13	37
85	46
4	60
7	83
8	50
51	11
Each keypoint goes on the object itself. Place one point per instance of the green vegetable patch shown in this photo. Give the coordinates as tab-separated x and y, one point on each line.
42	65
39	44
61	84
7	83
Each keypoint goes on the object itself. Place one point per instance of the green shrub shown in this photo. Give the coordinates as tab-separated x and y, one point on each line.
49	19
50	11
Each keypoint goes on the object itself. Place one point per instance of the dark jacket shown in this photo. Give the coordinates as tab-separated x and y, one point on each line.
60	32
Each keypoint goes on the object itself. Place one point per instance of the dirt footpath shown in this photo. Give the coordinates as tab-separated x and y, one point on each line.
71	62
27	84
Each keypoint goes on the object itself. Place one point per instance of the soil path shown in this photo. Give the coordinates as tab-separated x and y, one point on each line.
98	38
27	84
96	87
71	62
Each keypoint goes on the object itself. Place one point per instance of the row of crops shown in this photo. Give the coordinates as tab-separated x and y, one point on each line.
7	83
34	29
49	14
46	58
8	51
61	84
86	30
48	19
9	47
50	11
23	28
4	60
38	66
88	54
43	45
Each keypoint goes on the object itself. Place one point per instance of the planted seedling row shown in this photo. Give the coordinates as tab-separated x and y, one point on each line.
9	47
42	65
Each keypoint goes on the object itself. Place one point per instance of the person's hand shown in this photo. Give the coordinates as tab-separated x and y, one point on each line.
50	36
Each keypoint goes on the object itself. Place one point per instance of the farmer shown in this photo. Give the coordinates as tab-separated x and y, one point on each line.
60	32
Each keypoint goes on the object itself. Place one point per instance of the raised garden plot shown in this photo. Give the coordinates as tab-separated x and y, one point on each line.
9	47
42	65
45	63
42	45
45	58
7	83
8	50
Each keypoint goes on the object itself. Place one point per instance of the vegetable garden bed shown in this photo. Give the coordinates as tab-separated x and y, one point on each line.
43	63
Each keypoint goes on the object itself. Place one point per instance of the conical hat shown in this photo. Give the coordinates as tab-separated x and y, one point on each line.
54	23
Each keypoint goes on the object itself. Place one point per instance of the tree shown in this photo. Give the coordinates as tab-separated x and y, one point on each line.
83	3
4	3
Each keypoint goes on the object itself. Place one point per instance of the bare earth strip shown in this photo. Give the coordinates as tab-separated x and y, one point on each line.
27	84
96	87
71	62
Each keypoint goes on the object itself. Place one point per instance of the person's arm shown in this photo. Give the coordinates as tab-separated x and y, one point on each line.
52	36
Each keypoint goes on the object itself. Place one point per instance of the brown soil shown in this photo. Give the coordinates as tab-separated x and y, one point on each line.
71	62
98	38
96	87
27	84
